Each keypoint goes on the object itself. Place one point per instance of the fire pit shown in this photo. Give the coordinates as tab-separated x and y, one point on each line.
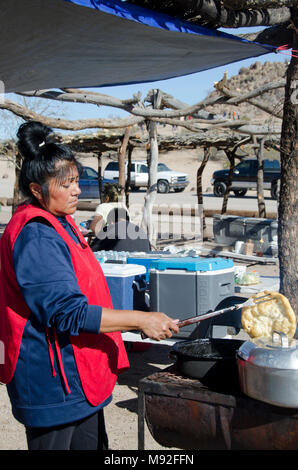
183	413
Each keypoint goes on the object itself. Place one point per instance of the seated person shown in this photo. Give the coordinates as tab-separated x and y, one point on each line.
121	235
110	200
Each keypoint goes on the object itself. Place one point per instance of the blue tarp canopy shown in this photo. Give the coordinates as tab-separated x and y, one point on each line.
92	43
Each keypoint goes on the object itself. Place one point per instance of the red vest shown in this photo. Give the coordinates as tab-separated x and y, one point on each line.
99	357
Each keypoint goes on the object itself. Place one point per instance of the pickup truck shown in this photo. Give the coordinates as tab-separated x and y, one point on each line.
245	177
166	179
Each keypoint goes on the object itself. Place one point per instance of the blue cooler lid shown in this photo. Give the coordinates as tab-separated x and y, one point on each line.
143	261
192	264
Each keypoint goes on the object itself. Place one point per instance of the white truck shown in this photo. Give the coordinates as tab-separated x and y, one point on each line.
166	179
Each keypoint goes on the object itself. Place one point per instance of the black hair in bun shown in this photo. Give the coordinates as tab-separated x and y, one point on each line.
32	138
36	144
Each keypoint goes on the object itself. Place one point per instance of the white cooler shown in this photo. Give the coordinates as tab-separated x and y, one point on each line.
127	285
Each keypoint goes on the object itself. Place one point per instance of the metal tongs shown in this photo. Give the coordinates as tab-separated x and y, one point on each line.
248	303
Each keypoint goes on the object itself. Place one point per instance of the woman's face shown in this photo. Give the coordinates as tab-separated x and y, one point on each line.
63	194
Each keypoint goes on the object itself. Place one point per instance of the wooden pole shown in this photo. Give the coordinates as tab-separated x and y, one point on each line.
260	179
207	153
99	173
152	181
121	158
127	183
231	156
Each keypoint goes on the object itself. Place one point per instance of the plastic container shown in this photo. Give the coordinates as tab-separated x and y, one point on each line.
259	247
186	287
127	285
247	279
239	245
248	248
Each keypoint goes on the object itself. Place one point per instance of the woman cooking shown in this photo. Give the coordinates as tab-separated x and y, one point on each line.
62	340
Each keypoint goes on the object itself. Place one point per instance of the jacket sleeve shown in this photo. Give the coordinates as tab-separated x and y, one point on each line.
46	277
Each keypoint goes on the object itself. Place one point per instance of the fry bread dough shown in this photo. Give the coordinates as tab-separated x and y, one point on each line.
264	318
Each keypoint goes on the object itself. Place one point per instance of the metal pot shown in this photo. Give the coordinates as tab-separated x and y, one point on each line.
211	360
268	370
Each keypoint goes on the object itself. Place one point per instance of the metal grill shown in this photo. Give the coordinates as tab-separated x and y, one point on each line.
182	413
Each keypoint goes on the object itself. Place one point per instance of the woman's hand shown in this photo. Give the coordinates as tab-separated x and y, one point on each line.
154	325
157	325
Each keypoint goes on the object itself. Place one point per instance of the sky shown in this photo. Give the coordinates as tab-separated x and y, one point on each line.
189	89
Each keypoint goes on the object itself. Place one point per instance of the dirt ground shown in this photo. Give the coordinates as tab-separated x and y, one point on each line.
122	414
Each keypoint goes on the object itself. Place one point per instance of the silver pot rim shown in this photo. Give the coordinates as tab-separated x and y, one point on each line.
271	354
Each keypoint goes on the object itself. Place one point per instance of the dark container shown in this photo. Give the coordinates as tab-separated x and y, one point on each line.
210	360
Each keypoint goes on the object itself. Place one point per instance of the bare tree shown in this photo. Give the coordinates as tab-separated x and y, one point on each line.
10	120
289	175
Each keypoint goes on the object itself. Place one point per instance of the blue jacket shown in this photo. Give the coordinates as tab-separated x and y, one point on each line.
46	277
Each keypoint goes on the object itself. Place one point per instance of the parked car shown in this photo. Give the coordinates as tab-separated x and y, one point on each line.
166	178
245	177
88	183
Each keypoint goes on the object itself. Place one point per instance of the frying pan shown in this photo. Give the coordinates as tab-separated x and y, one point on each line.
210	360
